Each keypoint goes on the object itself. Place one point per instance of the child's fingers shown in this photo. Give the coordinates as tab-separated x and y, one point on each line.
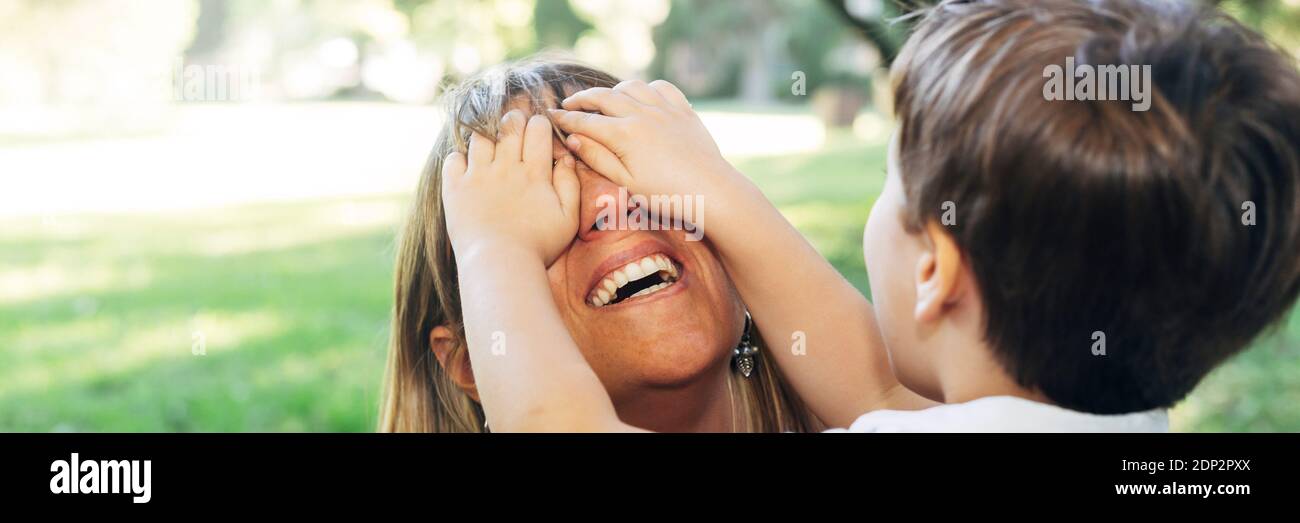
591	124
671	93
537	148
510	138
453	168
599	158
639	91
481	150
603	100
567	187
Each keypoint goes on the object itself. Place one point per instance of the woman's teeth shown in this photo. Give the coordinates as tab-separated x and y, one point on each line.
655	266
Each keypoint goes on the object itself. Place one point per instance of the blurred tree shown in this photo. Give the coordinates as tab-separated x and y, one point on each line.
874	21
699	60
89	67
210	30
405	49
556	25
621	40
753	50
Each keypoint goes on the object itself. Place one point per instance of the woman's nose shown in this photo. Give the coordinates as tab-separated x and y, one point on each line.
600	205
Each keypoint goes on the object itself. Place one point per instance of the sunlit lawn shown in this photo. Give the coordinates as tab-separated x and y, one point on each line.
289	303
101	316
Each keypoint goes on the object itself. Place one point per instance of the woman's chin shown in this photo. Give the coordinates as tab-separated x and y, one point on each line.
681	362
664	353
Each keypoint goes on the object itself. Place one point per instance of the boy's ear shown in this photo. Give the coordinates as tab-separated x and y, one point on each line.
938	272
454	359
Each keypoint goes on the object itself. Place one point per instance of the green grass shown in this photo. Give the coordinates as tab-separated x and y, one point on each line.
827	195
290	304
98	314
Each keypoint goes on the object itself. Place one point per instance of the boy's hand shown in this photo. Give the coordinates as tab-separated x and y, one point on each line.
507	193
646	138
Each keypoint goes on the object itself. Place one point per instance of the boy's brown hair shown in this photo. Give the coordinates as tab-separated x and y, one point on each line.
1173	232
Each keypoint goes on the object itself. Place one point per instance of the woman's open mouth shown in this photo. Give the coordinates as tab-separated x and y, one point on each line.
639	278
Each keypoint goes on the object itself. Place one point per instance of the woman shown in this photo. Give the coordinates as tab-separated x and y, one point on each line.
666	361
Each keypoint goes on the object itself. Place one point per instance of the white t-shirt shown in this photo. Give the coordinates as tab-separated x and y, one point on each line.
1006	414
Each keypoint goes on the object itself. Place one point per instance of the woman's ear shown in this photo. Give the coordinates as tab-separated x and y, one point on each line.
938	272
454	359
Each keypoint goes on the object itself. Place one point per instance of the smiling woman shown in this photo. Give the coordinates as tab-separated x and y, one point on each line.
653	313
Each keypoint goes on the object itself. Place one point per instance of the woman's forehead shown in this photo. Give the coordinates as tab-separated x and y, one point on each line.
524	103
546	98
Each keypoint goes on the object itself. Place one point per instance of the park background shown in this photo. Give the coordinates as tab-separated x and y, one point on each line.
174	258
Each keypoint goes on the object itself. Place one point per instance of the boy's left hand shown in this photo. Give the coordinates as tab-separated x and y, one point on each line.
646	137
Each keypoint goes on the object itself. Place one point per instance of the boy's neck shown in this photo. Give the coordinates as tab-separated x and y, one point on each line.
969	373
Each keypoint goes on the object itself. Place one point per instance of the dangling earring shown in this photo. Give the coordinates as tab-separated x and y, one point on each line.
742	357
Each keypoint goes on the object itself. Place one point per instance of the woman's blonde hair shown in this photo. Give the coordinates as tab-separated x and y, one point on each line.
419	395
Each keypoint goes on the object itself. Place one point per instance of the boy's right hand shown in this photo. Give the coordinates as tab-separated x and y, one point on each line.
509	193
646	137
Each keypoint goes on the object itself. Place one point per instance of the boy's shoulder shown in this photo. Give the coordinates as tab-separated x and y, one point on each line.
1006	414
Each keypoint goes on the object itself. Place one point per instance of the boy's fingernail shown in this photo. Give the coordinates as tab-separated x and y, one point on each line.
568	160
573	142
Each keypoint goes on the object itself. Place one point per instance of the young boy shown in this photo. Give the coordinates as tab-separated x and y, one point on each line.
1047	255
